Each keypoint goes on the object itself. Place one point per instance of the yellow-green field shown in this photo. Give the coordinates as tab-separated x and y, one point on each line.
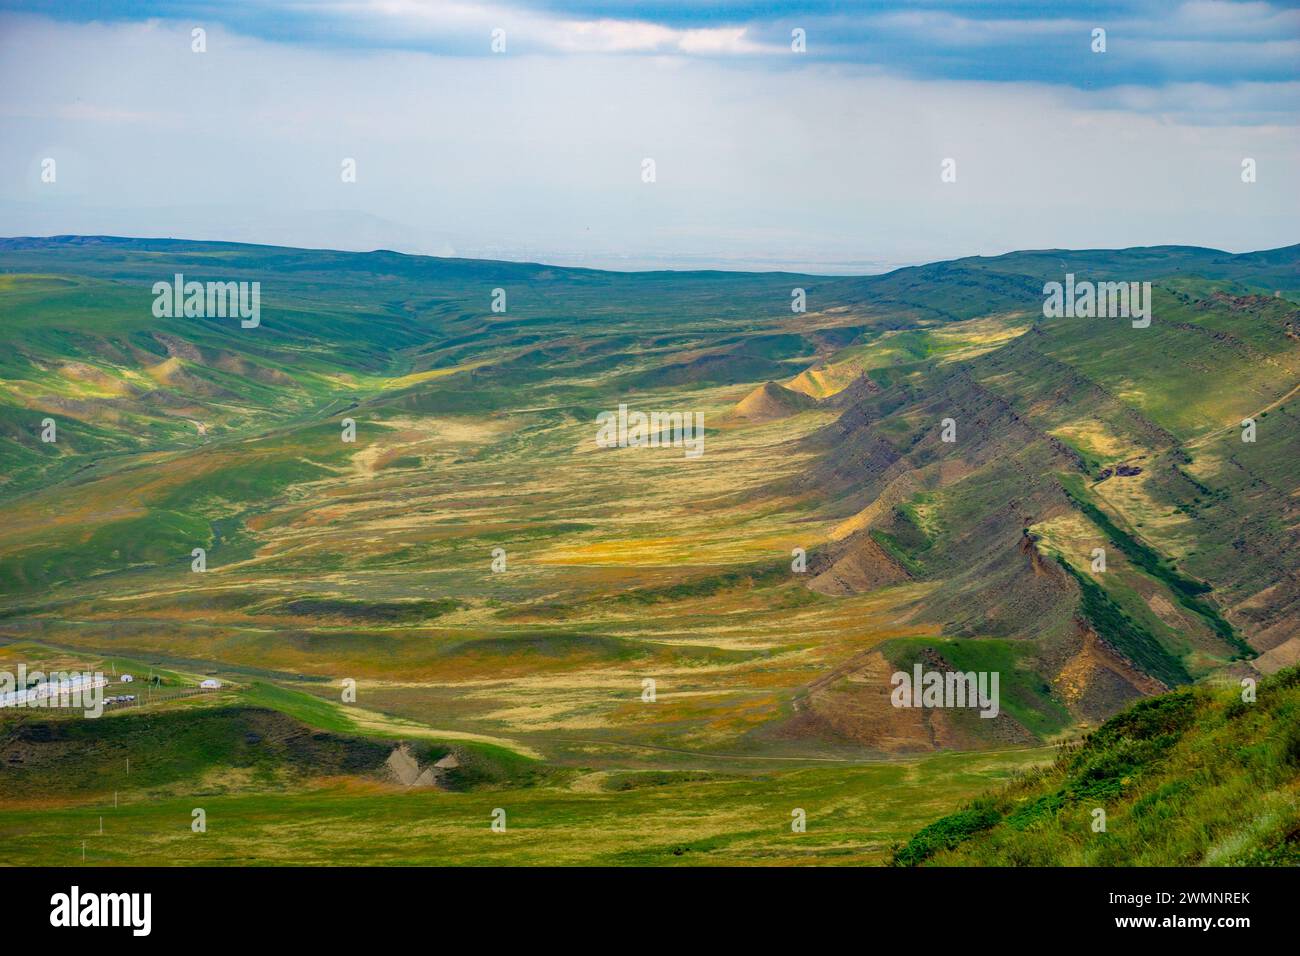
383	520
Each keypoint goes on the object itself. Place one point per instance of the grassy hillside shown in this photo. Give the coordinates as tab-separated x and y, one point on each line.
276	790
1073	438
487	575
1192	778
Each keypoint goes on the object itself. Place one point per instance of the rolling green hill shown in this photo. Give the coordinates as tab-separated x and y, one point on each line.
1194	778
484	571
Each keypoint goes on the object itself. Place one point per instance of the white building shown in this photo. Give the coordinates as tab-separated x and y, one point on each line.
211	684
55	691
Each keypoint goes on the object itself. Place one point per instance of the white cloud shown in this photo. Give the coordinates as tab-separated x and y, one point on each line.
539	156
531	30
954	30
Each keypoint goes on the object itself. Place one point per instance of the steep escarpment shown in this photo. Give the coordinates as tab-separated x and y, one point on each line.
1087	489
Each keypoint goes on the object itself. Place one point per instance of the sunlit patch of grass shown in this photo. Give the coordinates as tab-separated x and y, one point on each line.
1196	777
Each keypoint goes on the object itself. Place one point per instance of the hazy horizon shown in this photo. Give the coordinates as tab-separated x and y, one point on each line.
564	265
825	161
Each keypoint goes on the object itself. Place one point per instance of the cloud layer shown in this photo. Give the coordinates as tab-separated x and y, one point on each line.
763	159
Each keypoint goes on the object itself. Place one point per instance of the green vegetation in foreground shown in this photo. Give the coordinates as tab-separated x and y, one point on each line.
1191	778
336	557
261	811
278	790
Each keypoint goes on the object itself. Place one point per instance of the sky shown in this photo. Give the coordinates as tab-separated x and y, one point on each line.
827	159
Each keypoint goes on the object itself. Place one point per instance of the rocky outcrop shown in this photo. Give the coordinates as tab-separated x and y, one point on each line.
402	767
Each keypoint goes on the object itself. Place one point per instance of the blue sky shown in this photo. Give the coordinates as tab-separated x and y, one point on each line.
827	160
1154	42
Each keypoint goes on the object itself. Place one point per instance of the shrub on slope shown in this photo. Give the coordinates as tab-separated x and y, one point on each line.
1194	777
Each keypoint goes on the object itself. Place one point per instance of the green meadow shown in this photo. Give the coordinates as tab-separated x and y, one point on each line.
642	657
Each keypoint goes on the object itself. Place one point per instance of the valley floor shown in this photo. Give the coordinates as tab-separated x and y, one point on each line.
387	520
855	816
